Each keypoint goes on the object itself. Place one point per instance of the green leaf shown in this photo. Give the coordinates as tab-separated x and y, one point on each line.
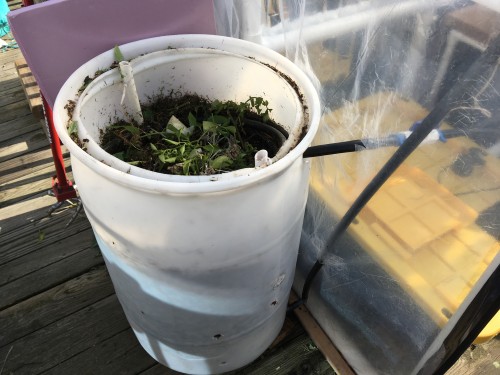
171	160
209	126
162	158
171	128
120	155
231	129
171	141
148	114
182	149
192	120
221	162
118	54
195	153
218	119
211	148
153	147
73	128
185	167
132	129
134	163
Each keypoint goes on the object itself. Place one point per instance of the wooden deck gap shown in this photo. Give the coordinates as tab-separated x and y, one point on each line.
19	171
48	264
55	304
38	239
53	344
23	124
20	228
43	186
83	261
55	369
42	290
61	317
150	368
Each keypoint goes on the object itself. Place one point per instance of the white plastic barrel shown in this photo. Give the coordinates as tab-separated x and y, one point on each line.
202	265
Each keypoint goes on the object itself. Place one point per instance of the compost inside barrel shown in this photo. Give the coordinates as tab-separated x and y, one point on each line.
187	134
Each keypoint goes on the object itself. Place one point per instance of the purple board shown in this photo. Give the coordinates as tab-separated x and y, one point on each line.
58	36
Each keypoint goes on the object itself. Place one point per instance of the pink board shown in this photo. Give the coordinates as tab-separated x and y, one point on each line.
58	36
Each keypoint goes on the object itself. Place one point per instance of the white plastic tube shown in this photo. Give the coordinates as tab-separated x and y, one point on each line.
262	159
130	99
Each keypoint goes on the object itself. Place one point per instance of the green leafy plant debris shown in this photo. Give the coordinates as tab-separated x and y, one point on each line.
118	54
185	134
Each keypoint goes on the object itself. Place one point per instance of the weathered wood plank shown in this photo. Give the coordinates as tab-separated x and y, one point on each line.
295	355
8	72
481	359
54	304
49	346
9	84
14	110
26	238
158	369
21	218
16	127
9	145
299	356
23	145
11	94
7	62
15	4
50	276
30	88
321	340
120	354
25	165
7	58
22	171
45	255
29	127
25	186
22	212
8	68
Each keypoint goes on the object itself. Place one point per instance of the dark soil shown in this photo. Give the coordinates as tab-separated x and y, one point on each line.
236	132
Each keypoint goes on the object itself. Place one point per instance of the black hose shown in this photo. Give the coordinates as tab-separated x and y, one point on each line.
373	143
458	95
333	148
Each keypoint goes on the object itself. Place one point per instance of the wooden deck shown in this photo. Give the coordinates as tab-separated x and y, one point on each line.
58	310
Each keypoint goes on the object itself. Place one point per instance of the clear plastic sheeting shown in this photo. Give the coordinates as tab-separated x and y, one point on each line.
397	281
